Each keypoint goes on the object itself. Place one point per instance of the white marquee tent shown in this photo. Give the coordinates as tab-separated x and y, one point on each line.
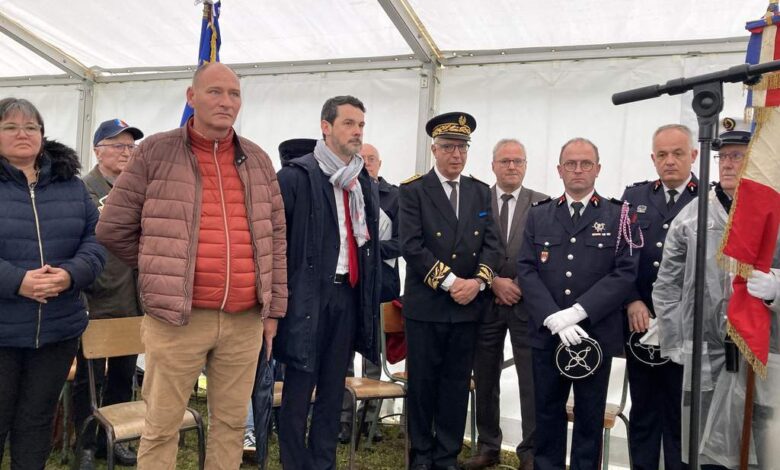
542	72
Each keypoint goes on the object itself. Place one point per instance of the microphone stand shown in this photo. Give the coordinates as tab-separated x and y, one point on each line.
707	103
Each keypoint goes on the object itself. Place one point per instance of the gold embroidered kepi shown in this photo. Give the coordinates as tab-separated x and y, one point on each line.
452	126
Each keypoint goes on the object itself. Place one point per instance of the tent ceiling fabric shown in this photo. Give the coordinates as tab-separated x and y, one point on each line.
469	25
116	34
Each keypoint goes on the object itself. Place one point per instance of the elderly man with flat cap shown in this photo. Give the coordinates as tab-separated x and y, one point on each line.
450	245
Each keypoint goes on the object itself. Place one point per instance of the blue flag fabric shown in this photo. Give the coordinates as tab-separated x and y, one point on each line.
210	40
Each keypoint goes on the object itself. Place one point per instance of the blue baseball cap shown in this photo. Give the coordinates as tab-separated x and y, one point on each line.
113	128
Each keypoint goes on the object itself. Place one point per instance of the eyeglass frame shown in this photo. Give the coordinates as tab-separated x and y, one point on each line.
505	162
730	156
27	129
579	164
462	148
120	147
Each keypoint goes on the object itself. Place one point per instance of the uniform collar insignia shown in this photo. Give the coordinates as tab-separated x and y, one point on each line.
595	200
657	184
692	187
562	200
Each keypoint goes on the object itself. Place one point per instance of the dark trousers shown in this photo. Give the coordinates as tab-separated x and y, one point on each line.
552	392
115	385
335	338
488	361
439	361
656	394
370	370
30	385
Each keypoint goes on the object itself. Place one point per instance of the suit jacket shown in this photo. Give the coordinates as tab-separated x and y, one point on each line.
434	243
510	249
561	264
648	207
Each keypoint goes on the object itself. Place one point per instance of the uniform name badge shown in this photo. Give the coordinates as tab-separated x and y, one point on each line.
579	361
544	256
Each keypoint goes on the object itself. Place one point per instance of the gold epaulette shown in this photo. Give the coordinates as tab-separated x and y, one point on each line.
411	178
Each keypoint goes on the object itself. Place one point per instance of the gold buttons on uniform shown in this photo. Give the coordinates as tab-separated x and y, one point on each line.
656	264
665	226
546	243
570	256
454	256
600	245
659	244
568	273
567	292
573	240
438	234
476	233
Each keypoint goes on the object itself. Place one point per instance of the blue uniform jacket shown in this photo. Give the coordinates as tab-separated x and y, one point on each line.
648	209
560	265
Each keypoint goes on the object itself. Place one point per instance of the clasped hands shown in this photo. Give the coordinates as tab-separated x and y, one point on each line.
44	283
564	324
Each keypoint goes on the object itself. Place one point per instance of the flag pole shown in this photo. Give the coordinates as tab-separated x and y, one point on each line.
747	420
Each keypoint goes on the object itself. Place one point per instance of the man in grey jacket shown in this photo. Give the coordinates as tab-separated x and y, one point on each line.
112	295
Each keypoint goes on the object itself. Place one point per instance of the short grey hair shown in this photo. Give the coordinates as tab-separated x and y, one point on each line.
678	127
579	140
506	141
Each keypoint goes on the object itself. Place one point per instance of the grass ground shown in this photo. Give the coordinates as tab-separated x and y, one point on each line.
385	455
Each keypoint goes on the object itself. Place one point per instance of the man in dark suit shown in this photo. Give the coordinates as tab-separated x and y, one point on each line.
510	203
575	265
450	245
656	391
332	211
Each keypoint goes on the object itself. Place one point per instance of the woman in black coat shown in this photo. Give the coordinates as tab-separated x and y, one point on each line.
48	253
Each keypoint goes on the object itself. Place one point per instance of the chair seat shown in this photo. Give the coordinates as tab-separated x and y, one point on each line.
127	419
402	376
611	413
365	388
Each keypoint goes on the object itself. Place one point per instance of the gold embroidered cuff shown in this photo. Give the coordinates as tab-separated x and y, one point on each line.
436	275
485	274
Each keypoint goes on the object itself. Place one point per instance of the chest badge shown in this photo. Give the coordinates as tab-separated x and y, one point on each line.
599	230
544	256
641	209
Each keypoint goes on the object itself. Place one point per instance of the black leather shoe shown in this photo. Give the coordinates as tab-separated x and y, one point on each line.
87	460
480	461
345	433
123	455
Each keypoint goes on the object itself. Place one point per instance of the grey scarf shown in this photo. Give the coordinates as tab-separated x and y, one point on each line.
346	177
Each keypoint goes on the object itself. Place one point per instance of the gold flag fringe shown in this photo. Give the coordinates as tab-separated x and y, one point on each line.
769	81
758	367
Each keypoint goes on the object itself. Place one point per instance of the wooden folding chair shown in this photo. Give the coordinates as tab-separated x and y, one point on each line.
123	422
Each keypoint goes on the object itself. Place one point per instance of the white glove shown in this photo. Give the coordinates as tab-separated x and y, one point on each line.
651	337
763	285
572	335
675	356
563	318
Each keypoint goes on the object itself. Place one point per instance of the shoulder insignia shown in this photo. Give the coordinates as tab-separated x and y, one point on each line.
411	178
478	180
638	183
657	184
617	201
543	201
692	186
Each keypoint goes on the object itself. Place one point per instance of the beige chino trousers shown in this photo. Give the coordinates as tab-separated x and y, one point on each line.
228	345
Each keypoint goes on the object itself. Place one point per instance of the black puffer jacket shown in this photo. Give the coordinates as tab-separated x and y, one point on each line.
51	223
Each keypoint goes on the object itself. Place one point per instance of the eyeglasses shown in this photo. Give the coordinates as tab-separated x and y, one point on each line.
119	147
13	129
509	161
585	165
735	157
449	148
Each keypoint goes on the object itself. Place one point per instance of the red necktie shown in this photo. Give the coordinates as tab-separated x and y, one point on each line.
351	243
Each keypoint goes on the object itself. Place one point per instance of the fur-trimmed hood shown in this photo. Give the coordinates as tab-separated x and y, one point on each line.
57	160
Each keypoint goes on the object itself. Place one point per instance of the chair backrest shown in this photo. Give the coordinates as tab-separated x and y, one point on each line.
392	319
112	337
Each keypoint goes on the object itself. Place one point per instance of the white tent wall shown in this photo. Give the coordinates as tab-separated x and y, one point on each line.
277	108
59	106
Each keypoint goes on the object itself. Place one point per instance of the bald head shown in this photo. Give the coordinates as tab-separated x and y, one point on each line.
373	161
215	97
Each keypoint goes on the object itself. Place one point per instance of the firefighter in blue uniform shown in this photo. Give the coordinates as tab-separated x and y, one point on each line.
656	389
578	260
450	245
